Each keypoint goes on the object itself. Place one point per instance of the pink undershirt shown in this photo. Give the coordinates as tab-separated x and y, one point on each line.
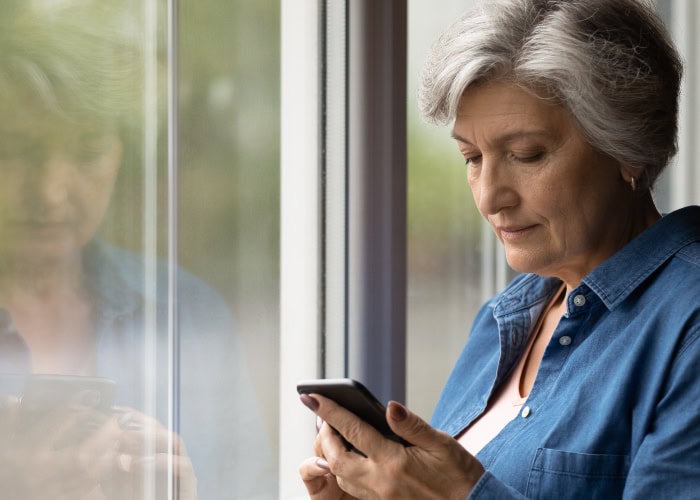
508	400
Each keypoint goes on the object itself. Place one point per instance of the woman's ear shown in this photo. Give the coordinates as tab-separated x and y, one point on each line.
632	175
628	172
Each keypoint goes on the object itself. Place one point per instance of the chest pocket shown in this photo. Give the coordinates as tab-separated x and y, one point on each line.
562	474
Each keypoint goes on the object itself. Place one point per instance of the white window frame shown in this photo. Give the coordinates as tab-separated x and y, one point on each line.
343	207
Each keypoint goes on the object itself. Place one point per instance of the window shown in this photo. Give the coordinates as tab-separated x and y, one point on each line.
203	202
139	262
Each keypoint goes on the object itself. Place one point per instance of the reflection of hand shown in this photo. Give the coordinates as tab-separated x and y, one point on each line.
78	453
61	456
437	466
143	461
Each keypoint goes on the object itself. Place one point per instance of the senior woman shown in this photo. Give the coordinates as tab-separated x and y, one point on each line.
580	379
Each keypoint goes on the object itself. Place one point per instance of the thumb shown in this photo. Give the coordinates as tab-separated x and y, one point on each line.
410	426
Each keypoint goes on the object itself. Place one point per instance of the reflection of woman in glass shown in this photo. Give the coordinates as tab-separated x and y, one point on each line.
71	304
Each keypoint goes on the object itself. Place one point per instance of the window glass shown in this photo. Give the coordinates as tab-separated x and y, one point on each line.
444	229
138	273
229	227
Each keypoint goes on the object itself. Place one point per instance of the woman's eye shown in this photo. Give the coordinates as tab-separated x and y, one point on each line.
530	158
87	153
88	148
473	160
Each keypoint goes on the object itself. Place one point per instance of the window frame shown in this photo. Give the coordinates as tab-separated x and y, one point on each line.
343	268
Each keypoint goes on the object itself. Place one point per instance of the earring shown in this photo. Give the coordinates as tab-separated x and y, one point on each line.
633	183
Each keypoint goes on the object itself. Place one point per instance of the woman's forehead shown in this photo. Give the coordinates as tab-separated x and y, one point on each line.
509	109
36	123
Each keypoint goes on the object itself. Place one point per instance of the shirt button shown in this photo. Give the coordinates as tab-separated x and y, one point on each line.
564	340
526	412
579	300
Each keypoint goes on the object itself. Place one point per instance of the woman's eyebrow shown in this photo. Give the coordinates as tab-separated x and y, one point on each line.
508	137
459	138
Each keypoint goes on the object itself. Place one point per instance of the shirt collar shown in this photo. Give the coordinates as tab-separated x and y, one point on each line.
616	278
115	294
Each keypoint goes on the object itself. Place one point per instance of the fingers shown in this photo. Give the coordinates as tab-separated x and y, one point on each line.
313	468
144	435
133	444
435	467
336	451
354	430
67	426
412	428
75	448
319	482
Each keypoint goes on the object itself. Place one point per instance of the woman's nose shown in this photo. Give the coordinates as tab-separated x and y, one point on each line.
51	181
494	189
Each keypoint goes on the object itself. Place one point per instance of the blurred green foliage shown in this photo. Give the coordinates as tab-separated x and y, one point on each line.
229	63
443	223
229	121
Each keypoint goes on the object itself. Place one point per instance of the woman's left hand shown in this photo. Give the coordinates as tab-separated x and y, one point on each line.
436	466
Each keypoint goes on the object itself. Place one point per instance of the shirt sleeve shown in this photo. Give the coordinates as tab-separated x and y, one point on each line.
668	456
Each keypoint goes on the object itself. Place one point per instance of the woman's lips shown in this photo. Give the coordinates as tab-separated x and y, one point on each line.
41	228
515	233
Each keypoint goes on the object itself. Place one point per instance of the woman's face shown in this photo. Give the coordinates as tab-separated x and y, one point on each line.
555	203
55	186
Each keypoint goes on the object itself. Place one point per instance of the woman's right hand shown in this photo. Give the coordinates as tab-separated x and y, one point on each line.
149	454
319	482
63	455
78	453
435	466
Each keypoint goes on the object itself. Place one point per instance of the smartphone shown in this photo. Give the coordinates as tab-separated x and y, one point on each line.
355	397
43	394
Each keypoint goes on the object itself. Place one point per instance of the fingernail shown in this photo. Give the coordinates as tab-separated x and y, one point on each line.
319	423
323	464
124	462
397	411
310	402
128	422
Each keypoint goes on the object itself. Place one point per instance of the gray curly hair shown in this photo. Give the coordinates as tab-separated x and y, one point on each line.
610	63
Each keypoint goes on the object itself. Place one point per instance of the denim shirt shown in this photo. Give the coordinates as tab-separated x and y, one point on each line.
615	408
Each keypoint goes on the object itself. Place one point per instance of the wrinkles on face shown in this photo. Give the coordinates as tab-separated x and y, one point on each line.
554	202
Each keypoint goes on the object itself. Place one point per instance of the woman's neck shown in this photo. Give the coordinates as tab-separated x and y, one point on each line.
48	280
51	308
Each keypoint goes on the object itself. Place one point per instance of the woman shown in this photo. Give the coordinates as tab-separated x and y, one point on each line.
579	380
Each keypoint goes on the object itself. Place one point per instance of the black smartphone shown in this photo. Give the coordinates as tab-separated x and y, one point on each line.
44	393
355	397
